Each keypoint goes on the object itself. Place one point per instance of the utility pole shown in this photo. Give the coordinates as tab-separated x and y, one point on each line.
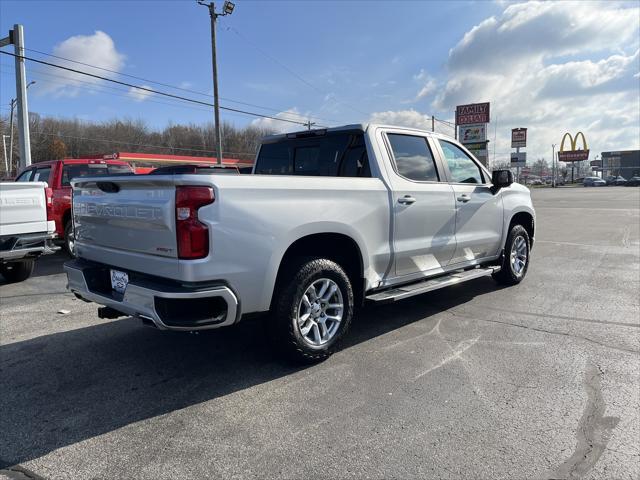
227	9
309	124
13	104
433	123
21	93
553	165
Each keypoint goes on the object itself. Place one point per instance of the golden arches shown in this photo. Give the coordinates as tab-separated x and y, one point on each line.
584	141
573	141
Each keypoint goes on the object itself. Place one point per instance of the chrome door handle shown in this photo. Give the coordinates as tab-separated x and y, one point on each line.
464	198
406	200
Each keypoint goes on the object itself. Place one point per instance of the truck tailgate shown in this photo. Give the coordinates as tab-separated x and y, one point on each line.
125	214
23	208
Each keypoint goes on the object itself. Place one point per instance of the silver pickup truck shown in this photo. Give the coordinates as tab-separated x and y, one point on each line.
329	219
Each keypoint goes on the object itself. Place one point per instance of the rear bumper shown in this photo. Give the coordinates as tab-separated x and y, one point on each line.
169	305
16	247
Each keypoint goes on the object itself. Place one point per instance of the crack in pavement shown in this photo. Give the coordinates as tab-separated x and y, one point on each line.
562	317
18	472
593	433
552	332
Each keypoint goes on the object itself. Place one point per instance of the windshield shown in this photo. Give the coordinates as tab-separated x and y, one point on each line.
72	171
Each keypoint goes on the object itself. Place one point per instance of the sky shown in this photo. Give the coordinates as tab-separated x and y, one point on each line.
552	67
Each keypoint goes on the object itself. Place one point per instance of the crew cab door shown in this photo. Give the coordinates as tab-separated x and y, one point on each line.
423	207
479	212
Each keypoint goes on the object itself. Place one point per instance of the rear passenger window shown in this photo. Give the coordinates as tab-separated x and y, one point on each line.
413	157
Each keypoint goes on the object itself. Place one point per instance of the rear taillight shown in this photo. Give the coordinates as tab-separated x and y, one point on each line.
48	193
192	235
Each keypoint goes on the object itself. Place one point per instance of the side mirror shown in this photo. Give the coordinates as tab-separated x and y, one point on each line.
501	179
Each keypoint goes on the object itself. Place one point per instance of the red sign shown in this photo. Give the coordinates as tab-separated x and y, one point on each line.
573	155
518	137
472	113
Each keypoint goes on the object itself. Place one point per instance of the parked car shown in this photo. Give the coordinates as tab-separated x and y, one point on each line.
536	181
58	175
329	219
26	229
616	181
633	182
593	182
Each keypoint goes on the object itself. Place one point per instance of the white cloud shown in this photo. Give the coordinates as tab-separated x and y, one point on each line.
427	89
552	67
278	126
98	49
139	95
429	84
410	118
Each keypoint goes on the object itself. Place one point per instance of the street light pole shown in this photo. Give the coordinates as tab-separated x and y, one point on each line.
227	9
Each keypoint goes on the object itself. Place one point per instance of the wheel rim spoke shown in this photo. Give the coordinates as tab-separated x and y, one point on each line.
306	329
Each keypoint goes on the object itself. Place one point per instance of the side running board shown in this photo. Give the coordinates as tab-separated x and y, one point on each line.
423	286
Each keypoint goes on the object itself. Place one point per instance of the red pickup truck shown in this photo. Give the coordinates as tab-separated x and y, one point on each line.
58	174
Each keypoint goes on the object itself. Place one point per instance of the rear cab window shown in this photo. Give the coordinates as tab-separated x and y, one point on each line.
333	154
42	174
25	176
82	170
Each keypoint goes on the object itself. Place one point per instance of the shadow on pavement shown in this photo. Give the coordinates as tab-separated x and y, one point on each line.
46	265
63	388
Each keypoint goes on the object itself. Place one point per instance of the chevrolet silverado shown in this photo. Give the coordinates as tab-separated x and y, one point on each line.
328	220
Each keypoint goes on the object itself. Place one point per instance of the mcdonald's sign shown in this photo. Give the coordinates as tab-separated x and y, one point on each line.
573	155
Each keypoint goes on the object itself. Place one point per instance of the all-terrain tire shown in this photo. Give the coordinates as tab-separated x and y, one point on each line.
285	332
17	271
69	240
510	274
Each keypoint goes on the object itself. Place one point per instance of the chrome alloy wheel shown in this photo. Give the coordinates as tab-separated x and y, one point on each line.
518	255
320	312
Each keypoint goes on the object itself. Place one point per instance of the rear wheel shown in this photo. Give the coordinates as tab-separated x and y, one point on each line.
515	261
69	239
17	271
313	310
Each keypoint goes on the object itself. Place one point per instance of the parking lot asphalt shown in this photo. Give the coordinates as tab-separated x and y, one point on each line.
540	380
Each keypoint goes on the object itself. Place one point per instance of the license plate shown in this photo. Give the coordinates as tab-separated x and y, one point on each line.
119	280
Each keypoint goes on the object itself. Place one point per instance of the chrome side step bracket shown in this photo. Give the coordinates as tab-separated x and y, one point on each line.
423	286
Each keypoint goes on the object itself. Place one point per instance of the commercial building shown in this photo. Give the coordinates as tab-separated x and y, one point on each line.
624	163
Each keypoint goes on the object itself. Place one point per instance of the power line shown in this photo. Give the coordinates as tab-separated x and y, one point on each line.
173	86
90	86
299	77
151	90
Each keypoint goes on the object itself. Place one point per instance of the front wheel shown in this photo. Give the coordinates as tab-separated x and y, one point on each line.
17	271
313	310
517	254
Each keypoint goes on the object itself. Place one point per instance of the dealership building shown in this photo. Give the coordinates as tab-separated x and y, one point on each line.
624	163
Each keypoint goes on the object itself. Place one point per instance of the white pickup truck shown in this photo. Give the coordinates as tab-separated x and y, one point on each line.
25	231
328	220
